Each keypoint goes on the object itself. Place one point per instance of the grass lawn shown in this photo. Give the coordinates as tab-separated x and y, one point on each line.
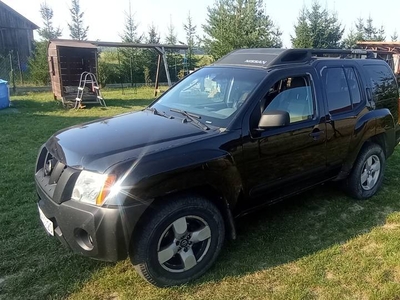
321	245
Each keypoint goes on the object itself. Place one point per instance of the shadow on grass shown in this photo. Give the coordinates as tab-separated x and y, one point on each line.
55	105
302	226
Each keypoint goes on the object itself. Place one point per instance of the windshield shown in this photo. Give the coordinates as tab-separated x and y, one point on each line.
214	94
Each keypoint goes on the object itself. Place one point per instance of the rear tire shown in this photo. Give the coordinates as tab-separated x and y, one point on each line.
180	241
367	174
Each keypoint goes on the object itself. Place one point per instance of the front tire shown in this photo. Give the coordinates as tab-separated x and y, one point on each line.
180	241
367	175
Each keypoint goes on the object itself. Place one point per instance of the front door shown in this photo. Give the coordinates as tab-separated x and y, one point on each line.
285	159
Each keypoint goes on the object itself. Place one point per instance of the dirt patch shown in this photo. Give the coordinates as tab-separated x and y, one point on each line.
330	275
371	247
113	296
391	226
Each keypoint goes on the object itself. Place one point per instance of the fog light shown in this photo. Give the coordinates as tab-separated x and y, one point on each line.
84	239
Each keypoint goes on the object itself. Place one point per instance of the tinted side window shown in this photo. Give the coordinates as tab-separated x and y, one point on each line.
337	90
294	95
384	85
354	88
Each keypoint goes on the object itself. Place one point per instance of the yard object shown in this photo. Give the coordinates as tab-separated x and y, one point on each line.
88	78
164	185
69	59
388	51
4	94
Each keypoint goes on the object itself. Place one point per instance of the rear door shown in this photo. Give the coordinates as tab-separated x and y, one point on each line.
344	103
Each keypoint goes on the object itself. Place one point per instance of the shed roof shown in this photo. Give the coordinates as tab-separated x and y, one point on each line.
392	47
95	44
18	15
72	44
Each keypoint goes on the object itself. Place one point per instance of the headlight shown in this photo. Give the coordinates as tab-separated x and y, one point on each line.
92	188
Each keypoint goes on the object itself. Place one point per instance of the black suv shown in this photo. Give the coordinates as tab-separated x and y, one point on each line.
164	185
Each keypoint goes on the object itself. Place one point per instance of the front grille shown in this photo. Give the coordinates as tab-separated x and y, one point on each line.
50	166
55	178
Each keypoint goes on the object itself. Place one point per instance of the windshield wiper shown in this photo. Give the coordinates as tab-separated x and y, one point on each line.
156	112
192	117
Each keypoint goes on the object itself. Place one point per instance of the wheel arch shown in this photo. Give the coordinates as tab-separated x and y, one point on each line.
374	127
208	192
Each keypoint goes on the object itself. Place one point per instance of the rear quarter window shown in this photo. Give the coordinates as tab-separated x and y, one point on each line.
383	82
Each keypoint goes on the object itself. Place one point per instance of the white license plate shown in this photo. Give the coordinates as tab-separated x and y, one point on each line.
48	225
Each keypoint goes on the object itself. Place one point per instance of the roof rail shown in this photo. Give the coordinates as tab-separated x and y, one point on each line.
267	57
305	55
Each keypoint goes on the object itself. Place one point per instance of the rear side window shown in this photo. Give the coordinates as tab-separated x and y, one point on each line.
337	90
353	86
383	83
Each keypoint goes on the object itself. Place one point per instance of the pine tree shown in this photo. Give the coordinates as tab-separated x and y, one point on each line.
77	30
369	30
302	31
395	36
171	38
173	57
190	30
151	56
360	33
132	59
317	28
234	24
372	33
351	40
153	35
38	65
365	31
360	27
48	32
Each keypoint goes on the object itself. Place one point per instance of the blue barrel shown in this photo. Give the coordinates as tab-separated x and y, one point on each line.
4	94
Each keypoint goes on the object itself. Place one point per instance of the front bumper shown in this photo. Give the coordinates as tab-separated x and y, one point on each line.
102	233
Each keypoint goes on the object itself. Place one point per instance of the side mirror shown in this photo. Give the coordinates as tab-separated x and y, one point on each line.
274	118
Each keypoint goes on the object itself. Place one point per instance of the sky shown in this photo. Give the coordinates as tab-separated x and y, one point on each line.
106	20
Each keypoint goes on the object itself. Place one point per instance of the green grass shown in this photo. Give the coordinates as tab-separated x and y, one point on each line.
321	245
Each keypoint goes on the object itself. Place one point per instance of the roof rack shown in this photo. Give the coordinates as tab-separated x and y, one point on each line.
265	57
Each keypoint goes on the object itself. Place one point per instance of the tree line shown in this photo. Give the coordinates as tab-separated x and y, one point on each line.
230	24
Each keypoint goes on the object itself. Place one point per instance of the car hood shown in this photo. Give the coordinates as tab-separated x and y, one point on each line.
100	144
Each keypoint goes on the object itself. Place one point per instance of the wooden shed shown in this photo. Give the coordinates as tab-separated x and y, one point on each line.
67	61
16	33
